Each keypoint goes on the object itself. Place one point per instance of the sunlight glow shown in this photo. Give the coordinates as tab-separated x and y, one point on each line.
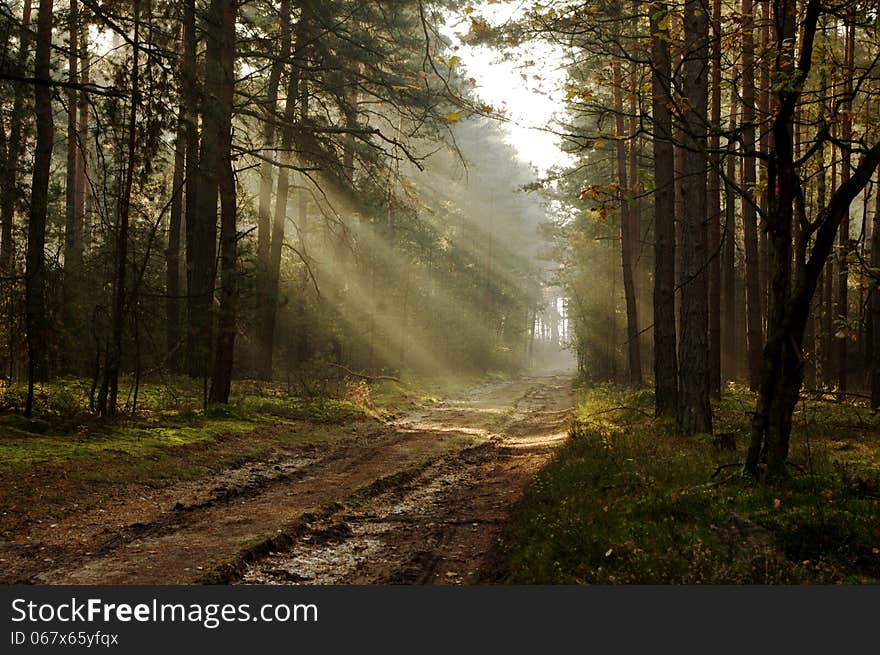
527	83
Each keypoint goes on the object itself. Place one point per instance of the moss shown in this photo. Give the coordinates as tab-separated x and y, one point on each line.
168	417
19	448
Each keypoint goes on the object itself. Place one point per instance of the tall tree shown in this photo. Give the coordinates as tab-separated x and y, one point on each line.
8	184
729	319
665	358
714	208
172	250
874	304
197	249
107	398
626	232
82	116
35	271
204	229
695	411
792	291
265	227
220	85
754	332
846	246
73	242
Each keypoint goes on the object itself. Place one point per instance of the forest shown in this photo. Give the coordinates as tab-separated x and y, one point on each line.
275	272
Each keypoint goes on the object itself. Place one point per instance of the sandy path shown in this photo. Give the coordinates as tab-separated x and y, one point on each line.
439	527
418	500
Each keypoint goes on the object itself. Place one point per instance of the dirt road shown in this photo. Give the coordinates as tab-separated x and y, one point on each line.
419	500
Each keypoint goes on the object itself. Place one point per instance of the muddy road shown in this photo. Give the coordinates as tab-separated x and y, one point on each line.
415	501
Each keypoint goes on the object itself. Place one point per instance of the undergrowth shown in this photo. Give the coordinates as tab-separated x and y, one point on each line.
627	500
167	415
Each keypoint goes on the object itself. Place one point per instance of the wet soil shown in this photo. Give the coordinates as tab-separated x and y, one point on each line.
418	500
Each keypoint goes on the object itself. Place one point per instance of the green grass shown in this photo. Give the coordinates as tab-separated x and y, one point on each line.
21	448
168	416
626	500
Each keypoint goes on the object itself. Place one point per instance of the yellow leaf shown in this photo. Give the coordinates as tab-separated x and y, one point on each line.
453	117
478	25
777	503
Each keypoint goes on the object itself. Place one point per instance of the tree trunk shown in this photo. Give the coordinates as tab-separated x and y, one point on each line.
632	327
695	411
826	296
635	205
195	233
714	209
172	252
830	286
782	371
224	11
73	254
265	227
109	392
282	195
754	333
82	116
783	364
36	319
874	304
8	184
844	236
665	357
271	105
765	139
729	318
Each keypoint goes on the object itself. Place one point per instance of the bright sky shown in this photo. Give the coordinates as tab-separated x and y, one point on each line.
529	86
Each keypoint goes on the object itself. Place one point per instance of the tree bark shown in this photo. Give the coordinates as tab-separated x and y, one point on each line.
635	207
271	106
845	243
665	348
73	253
36	319
729	318
695	412
196	348
14	148
282	196
224	11
754	332
211	155
267	229
765	140
172	252
874	304
82	116
632	328
782	372
714	209
109	392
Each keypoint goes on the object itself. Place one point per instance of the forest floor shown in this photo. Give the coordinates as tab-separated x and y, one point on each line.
352	499
628	500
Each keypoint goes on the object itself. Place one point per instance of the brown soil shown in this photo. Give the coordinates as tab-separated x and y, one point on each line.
418	500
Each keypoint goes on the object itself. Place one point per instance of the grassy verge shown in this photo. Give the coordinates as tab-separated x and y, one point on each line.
626	500
167	417
65	458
